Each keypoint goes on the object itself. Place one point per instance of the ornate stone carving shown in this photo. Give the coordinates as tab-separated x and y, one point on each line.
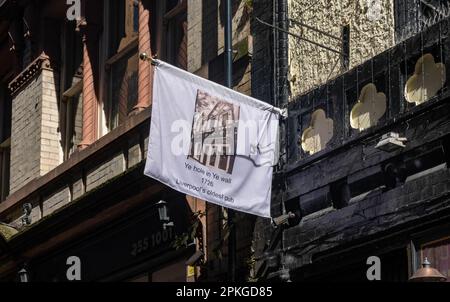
41	62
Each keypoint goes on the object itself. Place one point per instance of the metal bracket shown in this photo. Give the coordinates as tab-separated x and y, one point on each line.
152	59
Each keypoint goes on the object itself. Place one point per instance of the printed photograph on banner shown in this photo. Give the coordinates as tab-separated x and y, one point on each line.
214	132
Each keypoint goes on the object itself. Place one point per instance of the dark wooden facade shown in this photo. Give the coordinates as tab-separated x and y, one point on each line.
353	200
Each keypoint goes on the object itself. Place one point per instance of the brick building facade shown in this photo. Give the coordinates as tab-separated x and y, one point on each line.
75	119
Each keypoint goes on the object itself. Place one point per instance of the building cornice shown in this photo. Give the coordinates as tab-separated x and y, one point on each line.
41	62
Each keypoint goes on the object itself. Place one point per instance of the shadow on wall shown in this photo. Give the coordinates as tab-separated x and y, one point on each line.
210	26
209	30
234	9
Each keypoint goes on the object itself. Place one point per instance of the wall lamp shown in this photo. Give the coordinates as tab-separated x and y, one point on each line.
391	142
163	212
427	274
23	275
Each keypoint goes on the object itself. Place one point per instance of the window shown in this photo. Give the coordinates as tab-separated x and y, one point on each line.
71	85
175	18
169	42
122	60
5	142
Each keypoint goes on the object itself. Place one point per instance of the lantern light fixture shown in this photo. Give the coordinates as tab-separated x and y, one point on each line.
163	212
23	275
427	274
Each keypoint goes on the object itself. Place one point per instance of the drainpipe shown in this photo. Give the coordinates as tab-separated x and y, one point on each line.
275	54
282	54
280	68
228	51
282	99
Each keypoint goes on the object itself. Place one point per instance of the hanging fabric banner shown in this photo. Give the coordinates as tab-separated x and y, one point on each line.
211	142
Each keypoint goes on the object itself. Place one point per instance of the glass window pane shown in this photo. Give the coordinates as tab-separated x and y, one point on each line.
135	18
123	92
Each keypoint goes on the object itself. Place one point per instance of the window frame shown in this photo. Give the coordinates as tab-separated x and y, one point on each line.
110	57
170	20
68	99
69	87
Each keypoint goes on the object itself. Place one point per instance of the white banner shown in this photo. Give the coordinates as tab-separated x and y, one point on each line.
211	142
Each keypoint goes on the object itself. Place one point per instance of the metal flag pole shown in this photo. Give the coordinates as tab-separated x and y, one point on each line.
228	51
